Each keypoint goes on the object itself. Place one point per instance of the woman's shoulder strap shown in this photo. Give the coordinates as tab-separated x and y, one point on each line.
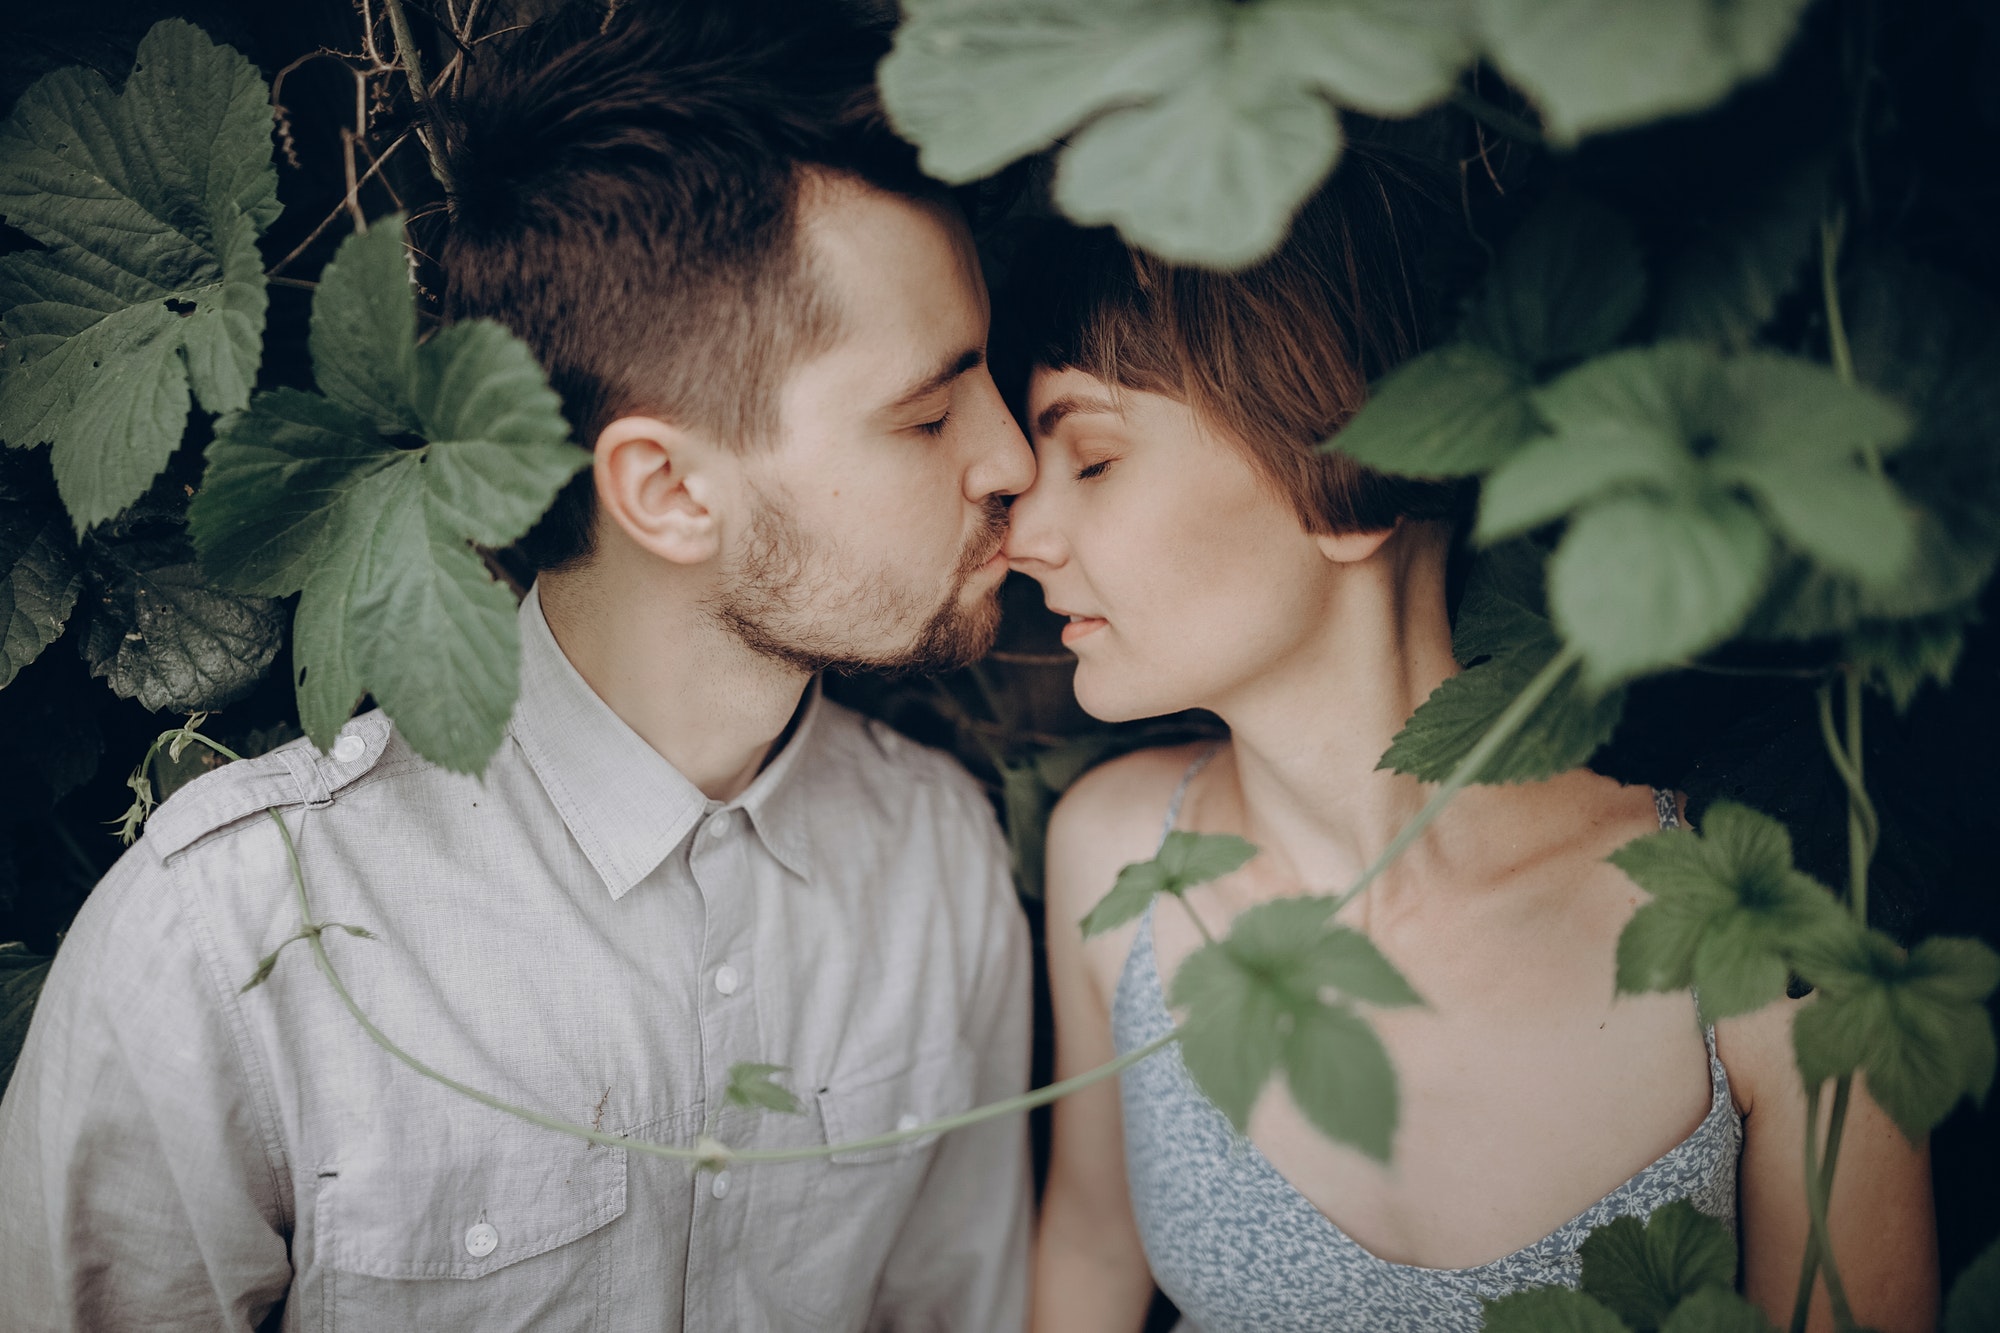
1180	791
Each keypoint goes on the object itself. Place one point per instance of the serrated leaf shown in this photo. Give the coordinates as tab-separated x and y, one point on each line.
1642	1270
1183	861
1716	1310
364	301
751	1086
1725	285
1503	632
304	494
39	574
1568	282
149	203
1275	994
1590	67
1553	1309
1898	657
1556	473
1914	1024
21	976
1974	1303
1454	411
1639	584
1730	916
163	634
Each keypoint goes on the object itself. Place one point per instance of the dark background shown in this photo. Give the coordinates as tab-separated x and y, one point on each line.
1931	78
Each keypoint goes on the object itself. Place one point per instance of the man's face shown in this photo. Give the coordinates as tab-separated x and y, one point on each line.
877	516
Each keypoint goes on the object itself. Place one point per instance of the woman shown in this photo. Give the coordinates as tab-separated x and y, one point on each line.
1207	557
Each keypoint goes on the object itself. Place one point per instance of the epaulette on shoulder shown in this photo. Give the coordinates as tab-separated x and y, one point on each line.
290	776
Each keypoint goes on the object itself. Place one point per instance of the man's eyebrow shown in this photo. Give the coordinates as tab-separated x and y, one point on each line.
969	359
1069	405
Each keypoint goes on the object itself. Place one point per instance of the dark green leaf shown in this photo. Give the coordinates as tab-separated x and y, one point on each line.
751	1086
1568	282
364	301
1451	412
1725	286
1025	801
1642	1270
1549	1310
1730	915
161	632
1183	861
21	977
1974	1304
1591	67
39	577
1915	1024
1639	584
1716	1310
149	202
1502	629
304	494
1899	656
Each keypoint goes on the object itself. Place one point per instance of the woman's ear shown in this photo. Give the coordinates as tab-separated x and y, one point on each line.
659	483
1349	548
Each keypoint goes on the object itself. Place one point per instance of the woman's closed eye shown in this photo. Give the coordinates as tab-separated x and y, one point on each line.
1089	471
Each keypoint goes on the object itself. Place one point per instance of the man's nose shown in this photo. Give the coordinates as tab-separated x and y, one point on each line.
1005	465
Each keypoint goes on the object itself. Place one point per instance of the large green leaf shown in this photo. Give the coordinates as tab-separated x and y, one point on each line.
1591	66
1451	412
149	203
305	494
21	976
1716	1310
1974	1305
1724	285
1569	281
1504	632
1197	127
1184	860
1914	1023
39	577
1275	994
1642	1269
1552	1309
1730	915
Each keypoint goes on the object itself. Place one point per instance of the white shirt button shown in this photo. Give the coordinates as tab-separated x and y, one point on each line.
481	1240
726	981
720	823
906	1122
348	749
719	1187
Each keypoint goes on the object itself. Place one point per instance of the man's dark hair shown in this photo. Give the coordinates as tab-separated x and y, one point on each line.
626	200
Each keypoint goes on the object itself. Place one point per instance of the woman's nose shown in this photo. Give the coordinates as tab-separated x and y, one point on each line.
1033	539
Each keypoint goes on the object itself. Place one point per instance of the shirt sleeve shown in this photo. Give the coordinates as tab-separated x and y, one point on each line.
141	1189
960	1262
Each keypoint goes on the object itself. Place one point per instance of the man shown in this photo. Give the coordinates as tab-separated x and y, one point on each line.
682	857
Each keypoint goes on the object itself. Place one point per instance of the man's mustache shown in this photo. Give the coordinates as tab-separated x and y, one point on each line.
992	534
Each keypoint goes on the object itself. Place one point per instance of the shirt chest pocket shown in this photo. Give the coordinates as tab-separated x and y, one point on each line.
492	1224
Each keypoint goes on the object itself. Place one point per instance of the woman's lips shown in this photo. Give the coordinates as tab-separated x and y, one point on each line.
1081	627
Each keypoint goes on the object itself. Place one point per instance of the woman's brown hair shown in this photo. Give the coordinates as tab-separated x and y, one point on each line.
1278	356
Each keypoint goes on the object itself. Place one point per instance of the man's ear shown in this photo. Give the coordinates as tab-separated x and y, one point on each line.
1348	548
661	485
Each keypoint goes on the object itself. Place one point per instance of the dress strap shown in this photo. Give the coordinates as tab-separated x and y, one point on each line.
1665	807
1180	792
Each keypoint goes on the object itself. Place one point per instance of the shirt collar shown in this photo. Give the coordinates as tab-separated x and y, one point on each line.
625	805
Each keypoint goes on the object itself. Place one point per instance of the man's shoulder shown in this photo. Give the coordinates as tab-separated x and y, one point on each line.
891	767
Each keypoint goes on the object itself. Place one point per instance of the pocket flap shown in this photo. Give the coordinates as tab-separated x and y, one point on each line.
925	1090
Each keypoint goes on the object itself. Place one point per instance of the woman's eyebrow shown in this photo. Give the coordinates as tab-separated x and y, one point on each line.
1069	405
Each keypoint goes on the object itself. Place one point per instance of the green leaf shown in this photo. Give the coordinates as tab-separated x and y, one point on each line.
1641	1270
304	494
1568	282
1974	1304
160	631
1730	916
1591	67
1725	285
1552	1309
1556	473
1898	657
21	976
149	203
1276	994
1183	861
1716	1310
751	1086
1451	412
39	576
1501	621
1915	1024
1639	584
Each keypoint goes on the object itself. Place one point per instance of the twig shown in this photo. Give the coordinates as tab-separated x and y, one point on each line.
339	208
413	69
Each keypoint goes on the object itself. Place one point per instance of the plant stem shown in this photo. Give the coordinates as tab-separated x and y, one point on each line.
1819	1185
1495	118
1195	917
413	69
1530	698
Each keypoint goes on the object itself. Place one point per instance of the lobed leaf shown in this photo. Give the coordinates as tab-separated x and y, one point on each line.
1730	916
1725	285
1552	1309
1454	411
39	576
751	1086
1183	861
1569	281
1914	1024
1898	657
149	202
1643	1269
1716	1310
1974	1303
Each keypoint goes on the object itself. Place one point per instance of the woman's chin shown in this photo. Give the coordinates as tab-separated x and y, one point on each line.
1110	699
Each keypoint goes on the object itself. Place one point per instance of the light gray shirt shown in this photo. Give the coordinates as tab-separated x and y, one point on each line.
581	932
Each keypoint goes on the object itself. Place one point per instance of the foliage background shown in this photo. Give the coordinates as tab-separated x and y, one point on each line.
67	741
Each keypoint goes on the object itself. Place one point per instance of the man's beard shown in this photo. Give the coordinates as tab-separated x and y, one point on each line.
783	608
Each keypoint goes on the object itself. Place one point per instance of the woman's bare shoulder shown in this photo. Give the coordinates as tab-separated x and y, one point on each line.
1111	817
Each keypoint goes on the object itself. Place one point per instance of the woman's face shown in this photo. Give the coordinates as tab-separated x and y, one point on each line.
1185	576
